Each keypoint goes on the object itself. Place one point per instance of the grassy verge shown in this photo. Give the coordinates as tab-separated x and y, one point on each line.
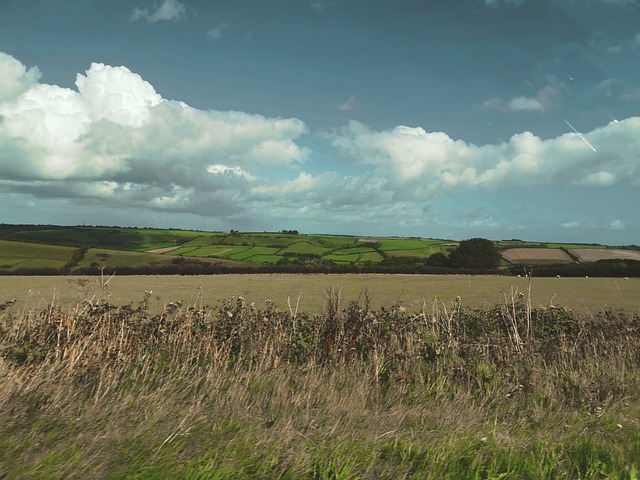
237	391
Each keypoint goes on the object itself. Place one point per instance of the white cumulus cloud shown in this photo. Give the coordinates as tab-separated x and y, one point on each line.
15	78
118	95
115	137
424	164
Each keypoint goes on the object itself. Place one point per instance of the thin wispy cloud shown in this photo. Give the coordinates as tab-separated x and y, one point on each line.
349	104
497	3
168	10
319	5
218	32
543	100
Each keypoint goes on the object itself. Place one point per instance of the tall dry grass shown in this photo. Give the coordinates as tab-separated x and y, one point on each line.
238	390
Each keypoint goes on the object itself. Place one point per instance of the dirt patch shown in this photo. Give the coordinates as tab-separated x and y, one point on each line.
163	250
595	254
536	256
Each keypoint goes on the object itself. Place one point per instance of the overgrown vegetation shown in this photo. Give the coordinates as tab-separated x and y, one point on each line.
239	390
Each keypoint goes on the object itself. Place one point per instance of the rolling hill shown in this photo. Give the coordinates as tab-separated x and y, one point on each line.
79	249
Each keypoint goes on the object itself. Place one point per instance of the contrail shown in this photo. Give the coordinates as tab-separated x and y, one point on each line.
529	83
608	115
581	137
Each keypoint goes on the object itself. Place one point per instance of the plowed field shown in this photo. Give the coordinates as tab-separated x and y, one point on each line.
536	256
595	254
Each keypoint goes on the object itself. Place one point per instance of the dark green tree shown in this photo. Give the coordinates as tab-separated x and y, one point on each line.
475	253
437	260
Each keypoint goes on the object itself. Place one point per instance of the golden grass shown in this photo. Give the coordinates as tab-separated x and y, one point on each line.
583	295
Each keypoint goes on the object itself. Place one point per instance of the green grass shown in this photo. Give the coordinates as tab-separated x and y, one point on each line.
573	245
414	248
347	258
190	251
251	252
306	248
334	241
101	237
260	240
373	257
405	244
118	258
26	255
205	240
269	259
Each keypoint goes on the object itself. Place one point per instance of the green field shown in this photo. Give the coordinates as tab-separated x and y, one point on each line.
260	248
117	258
26	255
136	239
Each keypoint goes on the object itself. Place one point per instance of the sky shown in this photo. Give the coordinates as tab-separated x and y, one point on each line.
429	118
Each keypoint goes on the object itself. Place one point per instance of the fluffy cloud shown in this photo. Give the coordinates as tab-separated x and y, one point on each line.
167	10
115	137
113	143
14	77
420	164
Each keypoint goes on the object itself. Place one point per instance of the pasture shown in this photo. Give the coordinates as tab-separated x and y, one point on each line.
583	295
19	254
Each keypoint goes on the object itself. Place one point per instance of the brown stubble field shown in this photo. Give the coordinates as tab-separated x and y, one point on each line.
307	292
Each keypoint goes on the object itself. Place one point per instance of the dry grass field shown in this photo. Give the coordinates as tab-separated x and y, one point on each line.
540	256
595	254
584	295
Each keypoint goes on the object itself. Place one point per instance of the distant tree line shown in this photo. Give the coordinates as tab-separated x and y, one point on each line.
601	268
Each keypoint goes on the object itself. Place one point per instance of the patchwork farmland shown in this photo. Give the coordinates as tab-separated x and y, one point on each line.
87	250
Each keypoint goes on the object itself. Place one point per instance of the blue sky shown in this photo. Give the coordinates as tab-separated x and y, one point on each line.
448	119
